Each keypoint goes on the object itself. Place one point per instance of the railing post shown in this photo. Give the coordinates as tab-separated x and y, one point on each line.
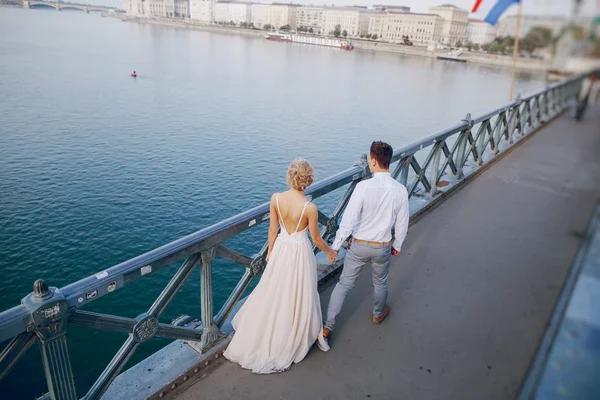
435	168
460	153
210	332
486	129
513	118
404	171
50	316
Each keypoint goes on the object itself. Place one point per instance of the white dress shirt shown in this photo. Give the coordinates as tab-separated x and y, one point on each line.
376	205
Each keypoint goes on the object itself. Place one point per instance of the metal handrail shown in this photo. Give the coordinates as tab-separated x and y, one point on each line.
45	314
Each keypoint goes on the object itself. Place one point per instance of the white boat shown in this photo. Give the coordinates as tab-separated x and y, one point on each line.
454	56
314	40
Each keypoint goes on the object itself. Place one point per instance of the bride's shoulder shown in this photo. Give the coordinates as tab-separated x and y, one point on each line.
275	198
311	207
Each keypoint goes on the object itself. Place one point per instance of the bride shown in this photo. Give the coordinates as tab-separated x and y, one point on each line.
281	318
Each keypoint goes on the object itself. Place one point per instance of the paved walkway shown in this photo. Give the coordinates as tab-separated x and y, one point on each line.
470	295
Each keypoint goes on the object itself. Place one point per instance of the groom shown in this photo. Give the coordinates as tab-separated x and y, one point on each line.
377	205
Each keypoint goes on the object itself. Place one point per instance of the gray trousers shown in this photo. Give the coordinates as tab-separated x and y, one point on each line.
355	260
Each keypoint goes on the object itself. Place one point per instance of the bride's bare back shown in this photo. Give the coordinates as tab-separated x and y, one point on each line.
292	207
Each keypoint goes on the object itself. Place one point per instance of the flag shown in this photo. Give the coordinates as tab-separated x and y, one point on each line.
498	9
477	4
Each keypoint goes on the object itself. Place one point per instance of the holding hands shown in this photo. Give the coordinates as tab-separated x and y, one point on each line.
332	256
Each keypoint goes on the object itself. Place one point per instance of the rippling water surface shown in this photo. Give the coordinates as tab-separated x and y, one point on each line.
97	167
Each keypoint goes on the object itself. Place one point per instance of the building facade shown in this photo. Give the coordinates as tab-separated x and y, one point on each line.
353	20
390	8
136	8
454	29
160	8
234	11
181	8
507	26
421	29
311	17
480	32
221	11
283	14
261	15
202	10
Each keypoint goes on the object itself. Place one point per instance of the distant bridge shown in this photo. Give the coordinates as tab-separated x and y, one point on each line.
58	6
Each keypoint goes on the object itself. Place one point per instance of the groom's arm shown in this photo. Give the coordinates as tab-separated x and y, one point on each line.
401	227
350	218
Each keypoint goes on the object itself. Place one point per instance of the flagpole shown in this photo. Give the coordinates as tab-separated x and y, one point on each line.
516	50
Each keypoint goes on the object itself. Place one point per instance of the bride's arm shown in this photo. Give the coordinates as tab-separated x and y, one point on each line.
273	225
313	224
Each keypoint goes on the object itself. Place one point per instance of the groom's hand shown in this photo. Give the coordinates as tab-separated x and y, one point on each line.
332	256
395	252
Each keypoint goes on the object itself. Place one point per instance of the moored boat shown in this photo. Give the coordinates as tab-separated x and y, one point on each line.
314	40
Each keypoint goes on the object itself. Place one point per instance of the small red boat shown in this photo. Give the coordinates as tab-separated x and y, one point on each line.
134	74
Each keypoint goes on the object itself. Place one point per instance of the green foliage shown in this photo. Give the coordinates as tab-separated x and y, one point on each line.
337	31
538	37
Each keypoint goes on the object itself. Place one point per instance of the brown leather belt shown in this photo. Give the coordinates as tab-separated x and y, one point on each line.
373	244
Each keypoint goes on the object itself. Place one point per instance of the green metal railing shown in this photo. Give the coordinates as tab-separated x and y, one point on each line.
45	315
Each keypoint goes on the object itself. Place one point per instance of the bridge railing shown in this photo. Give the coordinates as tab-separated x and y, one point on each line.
428	168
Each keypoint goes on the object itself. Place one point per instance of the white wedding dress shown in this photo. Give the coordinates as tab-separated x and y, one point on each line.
281	318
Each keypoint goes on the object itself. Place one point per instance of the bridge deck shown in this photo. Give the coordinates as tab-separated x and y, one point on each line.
470	295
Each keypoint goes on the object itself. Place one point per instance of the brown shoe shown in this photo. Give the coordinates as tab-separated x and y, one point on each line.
326	332
379	320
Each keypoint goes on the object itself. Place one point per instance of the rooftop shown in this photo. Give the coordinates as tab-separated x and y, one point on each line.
412	13
449	6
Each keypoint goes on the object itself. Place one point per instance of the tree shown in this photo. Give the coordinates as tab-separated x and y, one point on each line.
509	41
406	40
362	35
459	43
469	46
368	36
231	23
251	25
345	33
267	27
476	46
244	24
537	37
337	31
284	28
496	47
486	46
311	30
374	37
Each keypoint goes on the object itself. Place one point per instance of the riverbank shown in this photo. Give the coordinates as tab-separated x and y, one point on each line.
359	44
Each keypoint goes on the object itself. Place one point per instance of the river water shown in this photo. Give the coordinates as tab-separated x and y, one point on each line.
97	167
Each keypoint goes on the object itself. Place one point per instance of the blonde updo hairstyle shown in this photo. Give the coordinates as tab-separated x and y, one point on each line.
300	174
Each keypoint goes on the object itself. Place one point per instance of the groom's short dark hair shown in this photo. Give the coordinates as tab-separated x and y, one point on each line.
382	152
